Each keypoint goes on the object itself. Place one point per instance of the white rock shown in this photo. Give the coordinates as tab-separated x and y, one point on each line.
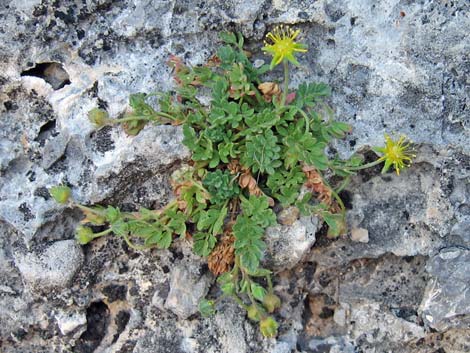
70	321
287	244
54	267
360	235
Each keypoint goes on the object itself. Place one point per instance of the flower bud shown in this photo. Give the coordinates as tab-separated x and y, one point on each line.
84	235
271	302
98	117
60	194
206	307
254	313
268	327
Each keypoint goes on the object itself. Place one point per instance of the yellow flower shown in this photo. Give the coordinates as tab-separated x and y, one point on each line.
282	45
398	153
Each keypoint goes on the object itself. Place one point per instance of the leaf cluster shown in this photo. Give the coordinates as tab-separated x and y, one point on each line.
239	134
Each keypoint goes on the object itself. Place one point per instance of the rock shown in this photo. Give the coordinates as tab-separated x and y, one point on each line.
340	315
395	281
446	303
328	344
71	321
233	332
376	325
52	267
282	347
287	245
406	215
150	152
462	229
394	66
160	295
360	235
186	290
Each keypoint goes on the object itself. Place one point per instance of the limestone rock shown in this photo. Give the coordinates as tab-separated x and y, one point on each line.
52	267
186	290
70	322
287	244
446	302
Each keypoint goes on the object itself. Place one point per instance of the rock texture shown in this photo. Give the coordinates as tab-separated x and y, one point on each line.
398	283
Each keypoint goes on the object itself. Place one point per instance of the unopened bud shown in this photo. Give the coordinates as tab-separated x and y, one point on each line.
254	313
84	235
61	194
268	327
271	302
98	117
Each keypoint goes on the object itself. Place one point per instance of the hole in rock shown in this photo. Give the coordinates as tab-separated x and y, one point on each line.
51	72
46	131
346	196
97	316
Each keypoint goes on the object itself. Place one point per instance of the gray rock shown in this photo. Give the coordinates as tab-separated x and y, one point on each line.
52	267
376	325
406	215
394	66
154	150
71	321
329	344
446	303
287	244
462	229
186	290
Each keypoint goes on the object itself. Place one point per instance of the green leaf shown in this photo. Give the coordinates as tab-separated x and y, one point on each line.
206	307
203	244
285	185
336	224
227	283
112	214
259	211
308	94
302	146
262	153
120	228
221	185
228	37
250	258
260	122
98	117
249	230
162	239
260	272
190	139
258	291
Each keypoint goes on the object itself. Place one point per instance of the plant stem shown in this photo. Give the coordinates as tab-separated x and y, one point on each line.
365	166
131	245
100	234
307	119
145	118
286	82
239	301
270	283
343	185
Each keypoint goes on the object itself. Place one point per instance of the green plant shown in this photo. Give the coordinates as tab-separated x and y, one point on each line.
255	145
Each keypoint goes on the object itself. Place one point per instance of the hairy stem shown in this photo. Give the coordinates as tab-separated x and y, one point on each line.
364	166
286	82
